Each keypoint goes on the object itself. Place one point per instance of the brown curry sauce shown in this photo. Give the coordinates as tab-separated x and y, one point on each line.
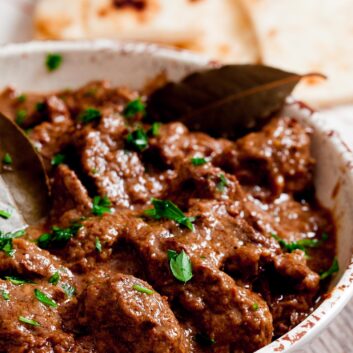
246	289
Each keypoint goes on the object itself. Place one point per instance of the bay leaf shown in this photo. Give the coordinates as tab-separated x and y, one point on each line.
227	101
24	191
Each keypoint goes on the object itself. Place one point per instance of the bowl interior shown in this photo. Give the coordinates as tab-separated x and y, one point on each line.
133	65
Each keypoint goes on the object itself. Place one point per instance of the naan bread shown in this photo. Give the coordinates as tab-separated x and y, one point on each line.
308	36
59	19
217	28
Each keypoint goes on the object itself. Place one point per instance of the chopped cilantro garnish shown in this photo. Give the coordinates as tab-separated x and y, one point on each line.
55	278
40	107
171	254
45	299
53	61
58	159
333	269
324	236
89	115
5	294
255	306
58	236
5	214
7	247
6	241
11	235
167	209
91	92
21	115
204	340
137	140
223	183
28	321
180	265
198	161
21	98
7	159
98	245
142	289
68	289
133	108
154	130
17	281
301	244
101	205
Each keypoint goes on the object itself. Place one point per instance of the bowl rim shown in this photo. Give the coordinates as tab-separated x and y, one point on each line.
343	290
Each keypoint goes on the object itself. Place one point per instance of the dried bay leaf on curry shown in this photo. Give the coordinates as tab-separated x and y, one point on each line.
226	101
24	192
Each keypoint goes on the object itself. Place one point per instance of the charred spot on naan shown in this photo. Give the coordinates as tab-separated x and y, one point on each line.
134	4
143	10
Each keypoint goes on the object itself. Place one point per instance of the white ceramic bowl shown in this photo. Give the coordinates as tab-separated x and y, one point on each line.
132	65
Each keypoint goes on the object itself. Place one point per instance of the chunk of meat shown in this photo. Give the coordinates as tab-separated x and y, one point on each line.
277	157
29	261
70	198
81	252
224	315
175	143
50	137
293	267
17	336
128	320
97	94
117	173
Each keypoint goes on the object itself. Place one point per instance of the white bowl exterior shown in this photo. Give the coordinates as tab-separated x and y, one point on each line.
134	64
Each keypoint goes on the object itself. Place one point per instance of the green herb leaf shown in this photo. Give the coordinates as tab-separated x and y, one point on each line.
40	107
180	266
137	140
12	235
301	244
7	159
133	108
55	278
223	183
255	306
68	289
142	289
167	209
5	214
18	281
324	236
21	115
53	61
7	247
89	115
21	98
171	254
45	299
58	159
198	161
154	130
6	241
5	294
98	245
204	340
58	236
101	205
28	321
333	269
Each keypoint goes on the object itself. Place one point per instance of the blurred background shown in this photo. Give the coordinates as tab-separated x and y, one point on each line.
297	35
